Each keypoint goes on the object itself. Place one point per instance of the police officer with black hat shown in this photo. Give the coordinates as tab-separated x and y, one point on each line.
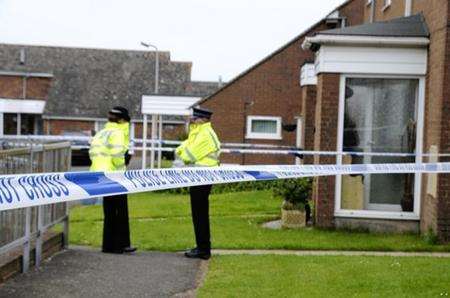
200	149
109	152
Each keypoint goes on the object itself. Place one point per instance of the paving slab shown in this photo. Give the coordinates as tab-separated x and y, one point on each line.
89	273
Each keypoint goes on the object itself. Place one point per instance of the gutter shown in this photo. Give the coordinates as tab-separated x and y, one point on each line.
312	43
25	74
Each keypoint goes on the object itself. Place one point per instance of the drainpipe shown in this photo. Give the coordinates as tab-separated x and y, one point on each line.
24	87
372	11
408	8
247	103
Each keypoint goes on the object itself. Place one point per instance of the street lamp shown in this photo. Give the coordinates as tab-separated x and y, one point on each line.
154	117
149	45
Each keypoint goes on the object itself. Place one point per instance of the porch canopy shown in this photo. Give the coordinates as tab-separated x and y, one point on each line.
397	46
157	106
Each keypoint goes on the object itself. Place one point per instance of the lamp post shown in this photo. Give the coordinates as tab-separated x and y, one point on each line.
154	117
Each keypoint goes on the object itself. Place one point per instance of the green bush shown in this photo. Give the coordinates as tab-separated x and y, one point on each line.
295	192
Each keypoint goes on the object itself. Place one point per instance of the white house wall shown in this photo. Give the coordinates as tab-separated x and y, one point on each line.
371	60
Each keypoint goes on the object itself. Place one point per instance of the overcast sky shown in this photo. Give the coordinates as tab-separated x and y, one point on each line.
220	38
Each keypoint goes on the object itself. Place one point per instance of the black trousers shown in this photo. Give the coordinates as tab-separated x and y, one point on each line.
200	215
116	229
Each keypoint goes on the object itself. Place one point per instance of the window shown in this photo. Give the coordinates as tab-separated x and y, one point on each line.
10	124
22	124
379	115
263	127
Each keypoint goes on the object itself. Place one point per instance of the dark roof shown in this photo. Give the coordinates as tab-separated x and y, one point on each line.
87	82
413	26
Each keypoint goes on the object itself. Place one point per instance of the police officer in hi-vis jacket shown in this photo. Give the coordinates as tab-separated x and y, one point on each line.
109	152
200	149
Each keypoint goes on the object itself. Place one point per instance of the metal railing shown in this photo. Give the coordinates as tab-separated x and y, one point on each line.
21	227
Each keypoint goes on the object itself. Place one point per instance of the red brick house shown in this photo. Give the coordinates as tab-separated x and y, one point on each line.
63	90
373	76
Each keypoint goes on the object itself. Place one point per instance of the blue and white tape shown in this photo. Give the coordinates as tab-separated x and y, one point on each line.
26	190
231	148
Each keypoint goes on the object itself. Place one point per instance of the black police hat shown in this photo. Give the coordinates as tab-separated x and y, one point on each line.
121	112
201	113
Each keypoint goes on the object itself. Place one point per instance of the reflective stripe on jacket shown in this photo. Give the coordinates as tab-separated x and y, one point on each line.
108	147
201	147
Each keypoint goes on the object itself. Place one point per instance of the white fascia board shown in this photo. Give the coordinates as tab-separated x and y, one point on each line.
94	119
24	106
371	60
168	105
382	41
25	74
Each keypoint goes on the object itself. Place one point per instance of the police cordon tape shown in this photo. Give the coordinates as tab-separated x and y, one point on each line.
244	148
26	190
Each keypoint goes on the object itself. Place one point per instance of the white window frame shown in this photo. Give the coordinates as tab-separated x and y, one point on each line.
387	3
401	215
265	136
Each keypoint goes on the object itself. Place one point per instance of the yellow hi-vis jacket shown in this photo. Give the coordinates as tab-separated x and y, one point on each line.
125	126
108	148
201	147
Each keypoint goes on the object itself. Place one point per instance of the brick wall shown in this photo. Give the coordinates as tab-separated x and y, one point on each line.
57	127
13	87
38	88
354	12
433	209
395	10
325	139
270	89
443	202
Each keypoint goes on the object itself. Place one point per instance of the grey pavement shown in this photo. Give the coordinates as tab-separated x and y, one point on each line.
88	273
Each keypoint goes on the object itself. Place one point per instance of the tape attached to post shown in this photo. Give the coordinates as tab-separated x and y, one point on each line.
26	190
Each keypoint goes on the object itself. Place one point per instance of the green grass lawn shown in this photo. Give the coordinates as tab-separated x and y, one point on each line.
326	276
162	222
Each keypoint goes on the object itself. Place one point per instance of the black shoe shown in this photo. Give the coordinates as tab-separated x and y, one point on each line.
129	249
197	253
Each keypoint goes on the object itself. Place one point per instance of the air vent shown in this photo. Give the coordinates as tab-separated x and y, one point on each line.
22	56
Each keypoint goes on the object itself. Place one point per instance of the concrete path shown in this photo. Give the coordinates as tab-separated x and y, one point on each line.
88	273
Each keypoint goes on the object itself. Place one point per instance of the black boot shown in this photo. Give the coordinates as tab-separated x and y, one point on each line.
197	253
129	249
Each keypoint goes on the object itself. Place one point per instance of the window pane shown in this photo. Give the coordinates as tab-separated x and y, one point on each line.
379	117
9	124
30	124
264	126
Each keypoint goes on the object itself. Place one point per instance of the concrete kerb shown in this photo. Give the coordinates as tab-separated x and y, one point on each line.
220	252
328	253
